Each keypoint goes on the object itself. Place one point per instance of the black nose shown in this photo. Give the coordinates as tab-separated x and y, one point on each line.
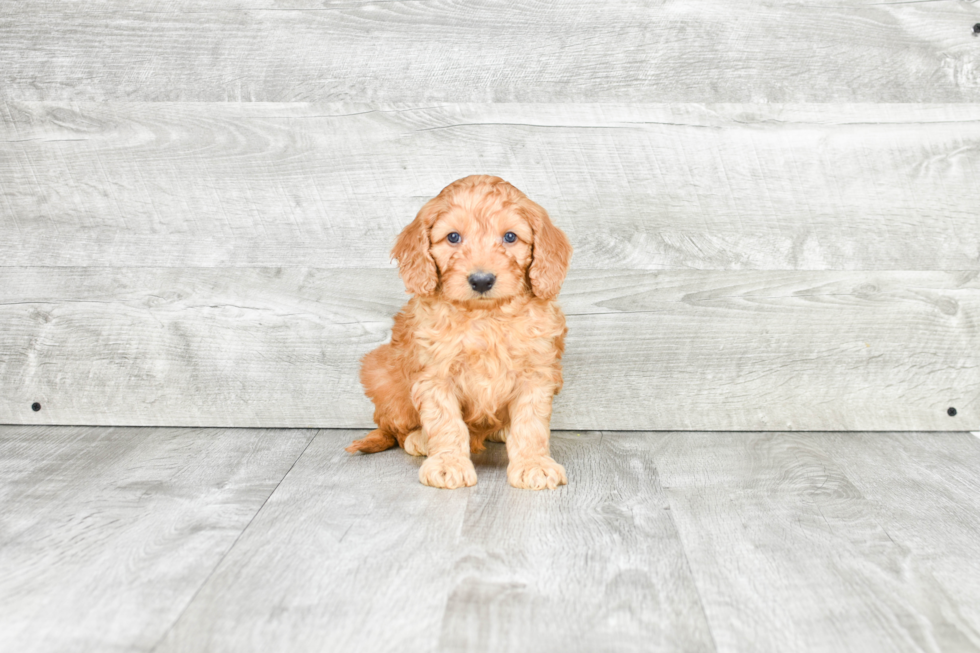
481	281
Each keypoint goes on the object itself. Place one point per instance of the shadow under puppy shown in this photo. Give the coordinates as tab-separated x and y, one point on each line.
476	353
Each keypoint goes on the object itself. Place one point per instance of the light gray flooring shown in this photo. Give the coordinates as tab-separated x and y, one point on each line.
171	539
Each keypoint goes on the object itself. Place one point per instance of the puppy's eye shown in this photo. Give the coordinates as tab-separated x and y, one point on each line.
454	237
510	237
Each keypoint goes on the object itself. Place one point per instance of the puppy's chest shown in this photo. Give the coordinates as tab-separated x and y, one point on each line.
483	344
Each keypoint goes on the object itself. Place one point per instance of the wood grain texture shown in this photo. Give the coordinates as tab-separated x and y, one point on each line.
748	350
439	50
127	539
721	187
925	491
789	555
351	553
377	562
595	566
107	533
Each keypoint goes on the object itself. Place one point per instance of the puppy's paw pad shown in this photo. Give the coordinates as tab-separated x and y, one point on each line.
448	471
415	444
536	474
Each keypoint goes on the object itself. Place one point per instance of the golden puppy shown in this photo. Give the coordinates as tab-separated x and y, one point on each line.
476	353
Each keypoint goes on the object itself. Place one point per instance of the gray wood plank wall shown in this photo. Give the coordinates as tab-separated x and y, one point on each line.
490	51
774	206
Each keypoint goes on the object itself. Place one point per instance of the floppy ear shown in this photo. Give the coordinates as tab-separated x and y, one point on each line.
415	264
550	255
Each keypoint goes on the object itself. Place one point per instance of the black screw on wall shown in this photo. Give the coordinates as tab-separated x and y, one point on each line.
951	412
35	406
976	29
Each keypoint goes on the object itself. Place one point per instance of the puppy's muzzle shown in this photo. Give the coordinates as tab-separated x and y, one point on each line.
481	282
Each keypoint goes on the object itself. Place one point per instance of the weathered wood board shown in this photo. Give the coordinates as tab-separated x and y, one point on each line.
773	205
107	533
721	187
353	551
128	539
925	491
497	51
598	567
789	554
712	350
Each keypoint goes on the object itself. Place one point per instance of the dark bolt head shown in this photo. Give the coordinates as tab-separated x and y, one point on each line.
976	28
951	412
35	406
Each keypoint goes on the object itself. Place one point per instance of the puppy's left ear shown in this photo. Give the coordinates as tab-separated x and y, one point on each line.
550	255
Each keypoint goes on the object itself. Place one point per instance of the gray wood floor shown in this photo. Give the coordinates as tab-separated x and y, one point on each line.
170	539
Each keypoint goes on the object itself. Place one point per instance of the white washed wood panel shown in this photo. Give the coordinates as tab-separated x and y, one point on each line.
129	539
789	555
469	50
350	554
598	566
355	553
107	533
927	497
635	187
712	350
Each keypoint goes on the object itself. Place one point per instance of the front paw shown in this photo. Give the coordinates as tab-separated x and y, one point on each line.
448	471
536	474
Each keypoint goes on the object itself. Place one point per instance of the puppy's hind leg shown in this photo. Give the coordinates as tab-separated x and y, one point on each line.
416	443
498	436
393	411
375	441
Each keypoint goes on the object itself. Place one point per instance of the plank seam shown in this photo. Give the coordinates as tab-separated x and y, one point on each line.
687	558
193	597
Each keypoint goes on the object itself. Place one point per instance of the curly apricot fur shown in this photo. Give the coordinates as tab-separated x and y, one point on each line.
464	366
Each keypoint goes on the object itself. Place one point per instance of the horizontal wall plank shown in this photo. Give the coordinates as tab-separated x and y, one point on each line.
723	187
439	50
749	350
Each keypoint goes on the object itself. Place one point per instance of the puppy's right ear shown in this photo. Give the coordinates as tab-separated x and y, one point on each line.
415	264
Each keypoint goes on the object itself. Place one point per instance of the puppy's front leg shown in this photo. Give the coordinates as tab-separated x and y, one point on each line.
531	466
447	437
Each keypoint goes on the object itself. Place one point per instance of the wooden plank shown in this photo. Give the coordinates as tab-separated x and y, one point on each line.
595	566
721	187
787	553
350	553
269	50
924	490
378	562
204	347
107	533
799	351
749	350
661	541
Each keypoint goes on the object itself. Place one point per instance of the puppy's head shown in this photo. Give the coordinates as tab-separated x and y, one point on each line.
482	239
